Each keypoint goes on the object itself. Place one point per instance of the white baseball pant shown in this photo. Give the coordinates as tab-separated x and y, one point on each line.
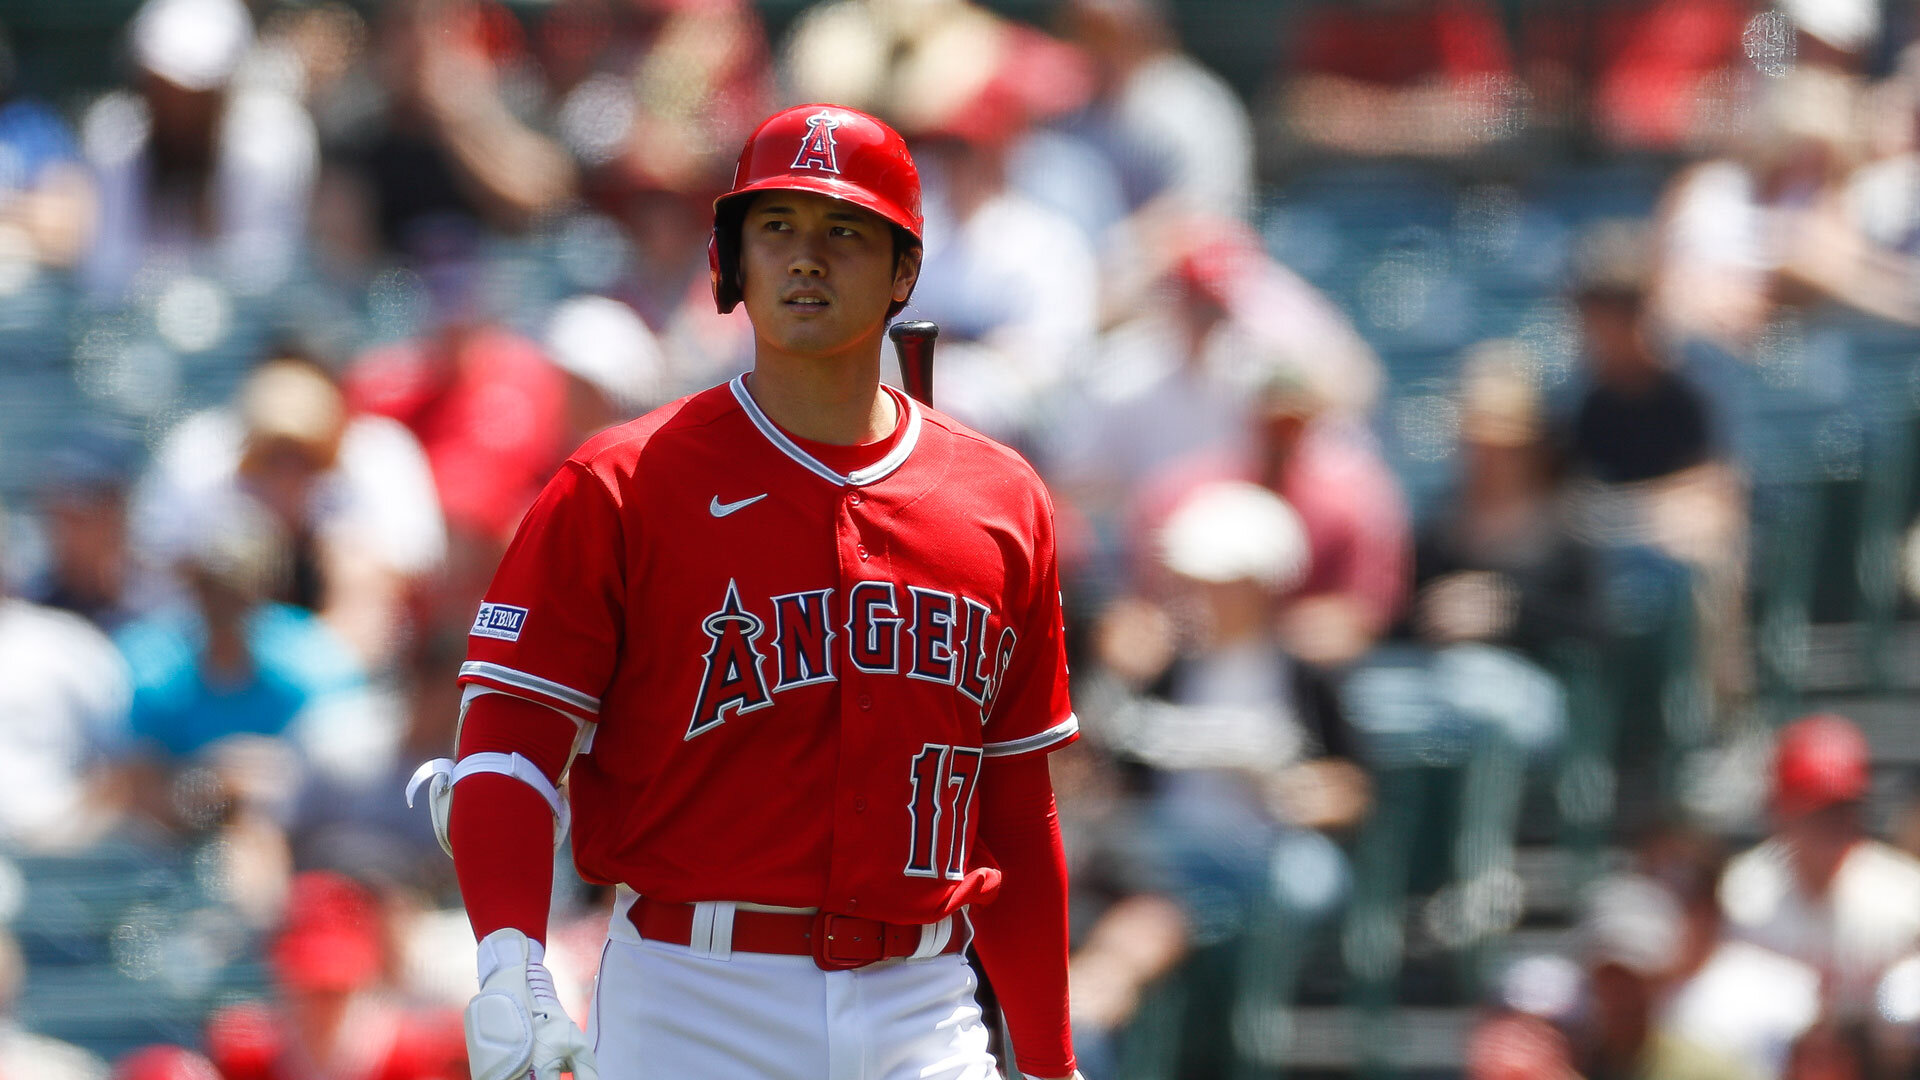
660	1012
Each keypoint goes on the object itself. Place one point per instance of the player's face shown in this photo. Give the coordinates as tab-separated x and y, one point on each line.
818	274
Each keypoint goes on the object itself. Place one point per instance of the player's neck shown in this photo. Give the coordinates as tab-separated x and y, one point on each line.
840	404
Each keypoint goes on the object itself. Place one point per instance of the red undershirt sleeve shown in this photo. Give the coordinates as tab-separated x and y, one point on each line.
501	829
1022	936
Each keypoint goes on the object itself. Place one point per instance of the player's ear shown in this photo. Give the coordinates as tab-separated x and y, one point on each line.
906	272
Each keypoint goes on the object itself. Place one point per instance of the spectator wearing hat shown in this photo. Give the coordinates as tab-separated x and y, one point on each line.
350	494
1174	379
1328	469
614	364
198	168
1359	536
1169	381
330	1018
910	61
1819	889
64	695
1242	756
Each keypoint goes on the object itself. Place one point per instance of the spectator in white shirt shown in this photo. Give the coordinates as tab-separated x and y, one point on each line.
1180	135
354	493
1729	995
1819	889
198	170
1181	375
64	695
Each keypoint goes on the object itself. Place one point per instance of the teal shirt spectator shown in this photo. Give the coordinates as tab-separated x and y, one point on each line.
297	664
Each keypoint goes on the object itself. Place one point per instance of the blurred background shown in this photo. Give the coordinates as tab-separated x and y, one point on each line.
1484	435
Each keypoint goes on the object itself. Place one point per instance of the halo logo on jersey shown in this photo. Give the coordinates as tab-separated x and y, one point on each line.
732	679
502	622
817	150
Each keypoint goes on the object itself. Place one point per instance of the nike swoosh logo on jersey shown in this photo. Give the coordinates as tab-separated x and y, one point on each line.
719	509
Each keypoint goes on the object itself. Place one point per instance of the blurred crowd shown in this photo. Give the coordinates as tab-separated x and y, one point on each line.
1368	603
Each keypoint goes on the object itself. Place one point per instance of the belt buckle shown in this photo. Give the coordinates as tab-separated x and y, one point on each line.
845	942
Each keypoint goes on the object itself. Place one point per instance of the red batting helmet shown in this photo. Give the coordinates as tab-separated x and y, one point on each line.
1821	760
827	149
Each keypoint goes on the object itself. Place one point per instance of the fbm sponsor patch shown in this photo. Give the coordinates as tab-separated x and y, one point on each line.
502	621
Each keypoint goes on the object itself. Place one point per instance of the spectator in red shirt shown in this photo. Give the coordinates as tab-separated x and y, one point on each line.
487	406
1401	78
1359	534
330	1019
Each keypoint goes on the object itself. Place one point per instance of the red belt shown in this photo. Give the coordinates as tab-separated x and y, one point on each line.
836	942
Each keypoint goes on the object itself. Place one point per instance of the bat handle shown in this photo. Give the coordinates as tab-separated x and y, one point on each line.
913	344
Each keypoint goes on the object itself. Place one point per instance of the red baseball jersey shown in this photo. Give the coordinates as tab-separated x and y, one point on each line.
794	674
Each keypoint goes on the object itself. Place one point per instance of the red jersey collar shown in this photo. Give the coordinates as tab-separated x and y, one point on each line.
781	441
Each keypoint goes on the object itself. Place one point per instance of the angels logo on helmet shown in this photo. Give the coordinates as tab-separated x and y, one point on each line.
817	150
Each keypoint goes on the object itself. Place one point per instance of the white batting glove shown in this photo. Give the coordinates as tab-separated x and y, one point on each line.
515	1025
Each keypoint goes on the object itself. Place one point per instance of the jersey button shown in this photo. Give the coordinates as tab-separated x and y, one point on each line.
853	498
862	549
860	805
866	703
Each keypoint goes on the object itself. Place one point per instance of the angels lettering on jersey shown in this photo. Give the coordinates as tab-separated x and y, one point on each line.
915	632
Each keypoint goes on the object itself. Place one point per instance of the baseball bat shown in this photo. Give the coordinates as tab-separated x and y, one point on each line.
913	344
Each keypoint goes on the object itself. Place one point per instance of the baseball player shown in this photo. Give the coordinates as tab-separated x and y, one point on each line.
798	640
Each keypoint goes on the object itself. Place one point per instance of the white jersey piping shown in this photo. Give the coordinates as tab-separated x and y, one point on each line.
879	470
1046	738
534	683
